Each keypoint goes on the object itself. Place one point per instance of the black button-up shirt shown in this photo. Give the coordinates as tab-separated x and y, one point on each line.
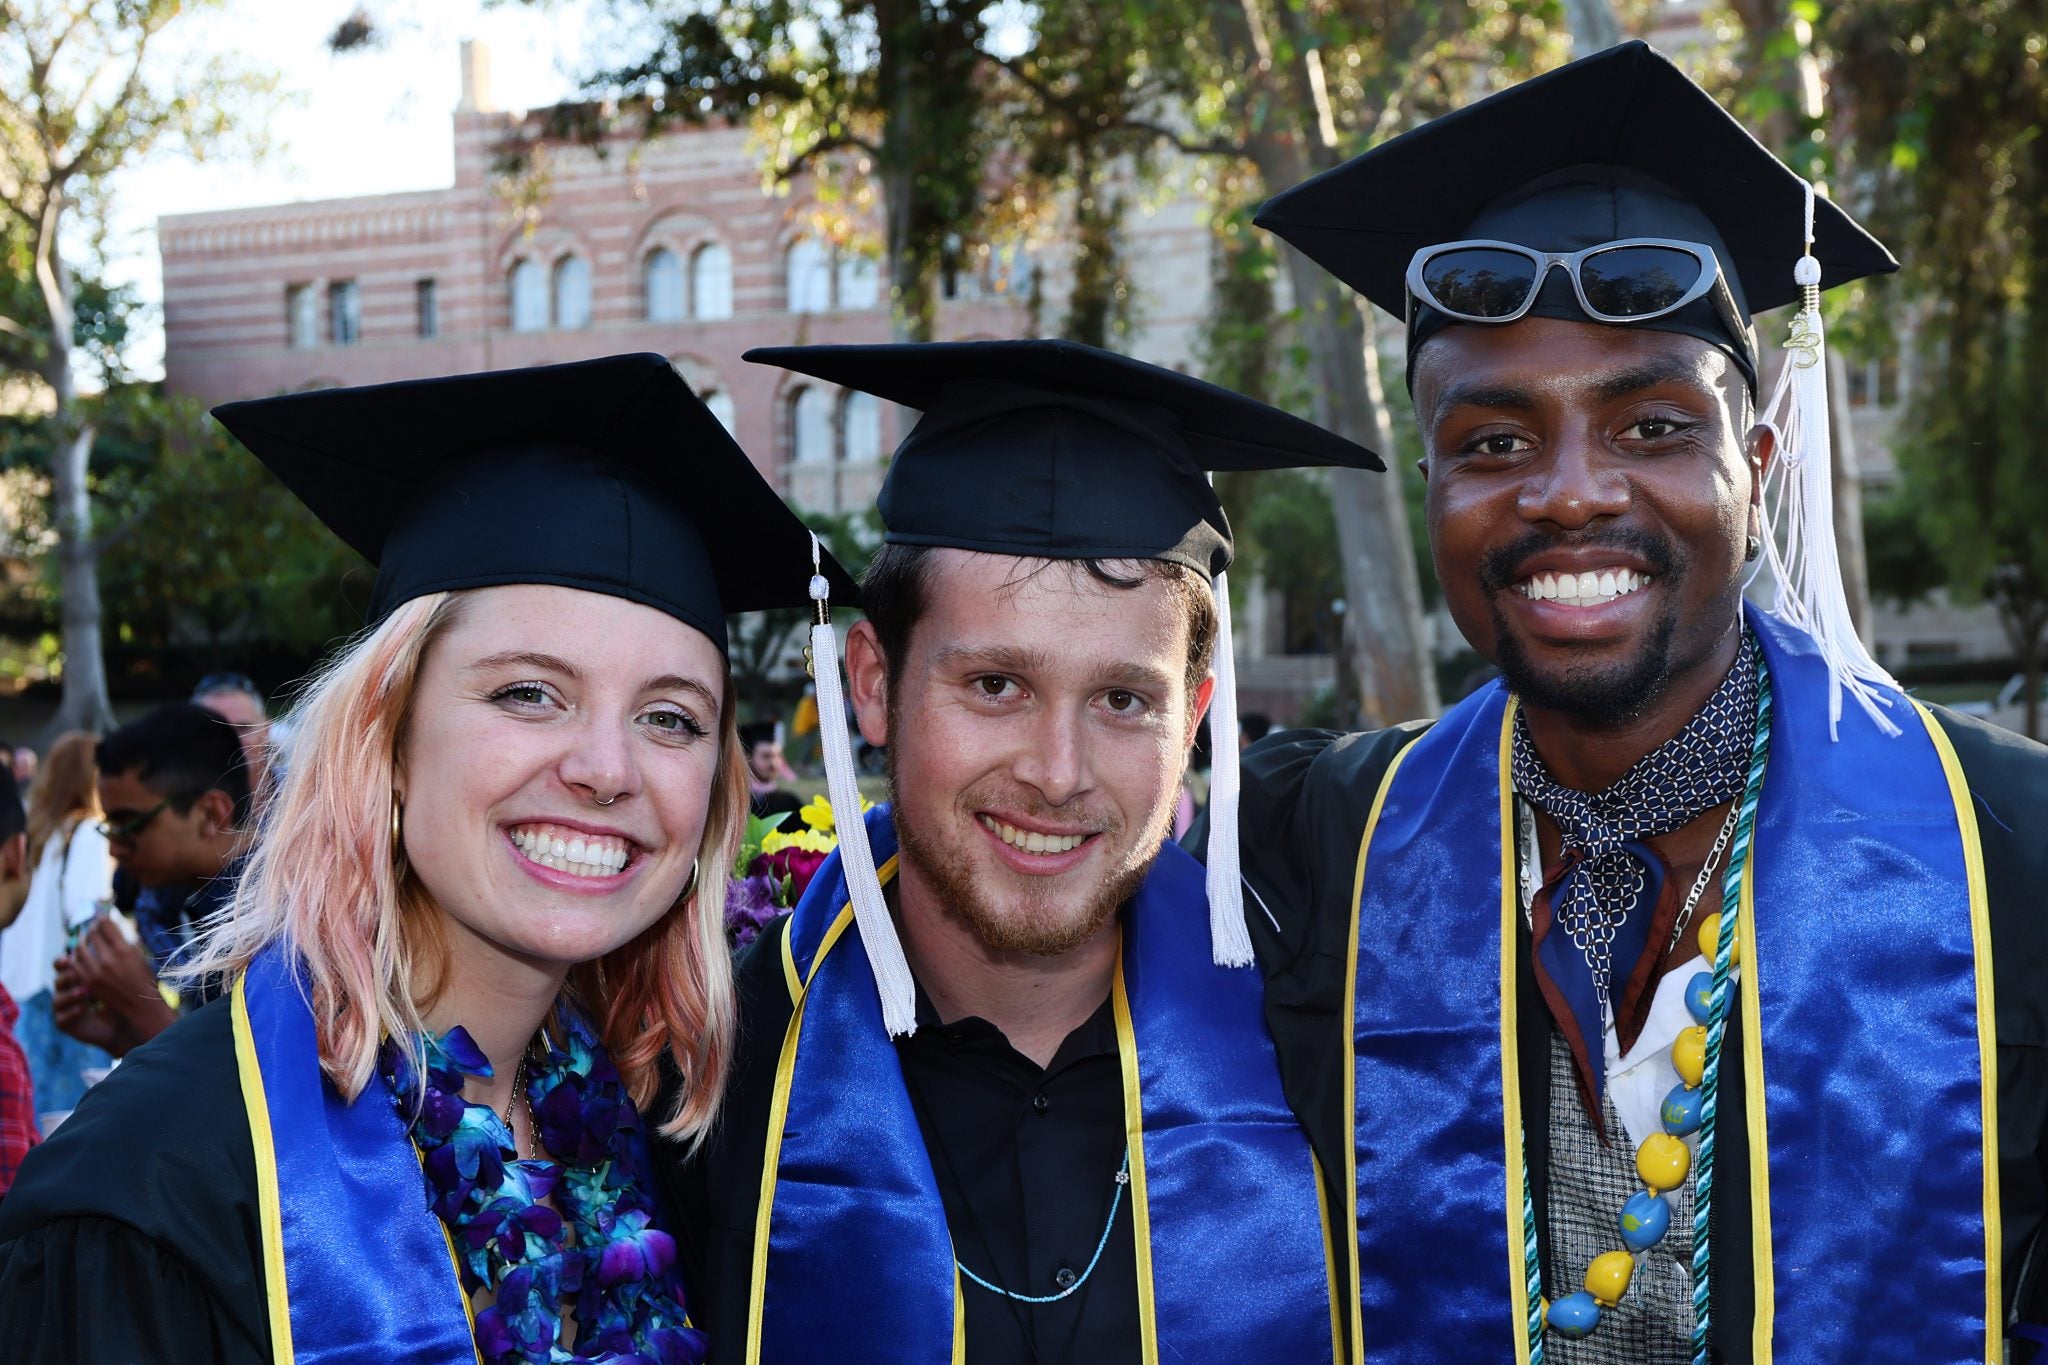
1027	1189
1027	1161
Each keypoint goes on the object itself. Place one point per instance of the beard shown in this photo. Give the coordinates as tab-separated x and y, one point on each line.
1610	695
1042	920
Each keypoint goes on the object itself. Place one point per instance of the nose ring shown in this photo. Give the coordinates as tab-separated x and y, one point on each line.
607	800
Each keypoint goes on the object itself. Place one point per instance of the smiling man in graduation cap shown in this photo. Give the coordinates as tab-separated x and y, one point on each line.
1647	1002
997	1099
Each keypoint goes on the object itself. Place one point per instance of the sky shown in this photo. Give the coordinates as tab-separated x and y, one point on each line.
369	122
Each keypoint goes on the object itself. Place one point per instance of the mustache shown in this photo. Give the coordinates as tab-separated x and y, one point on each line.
1502	568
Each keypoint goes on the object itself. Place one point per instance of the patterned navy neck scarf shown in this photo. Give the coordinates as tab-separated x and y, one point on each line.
1607	882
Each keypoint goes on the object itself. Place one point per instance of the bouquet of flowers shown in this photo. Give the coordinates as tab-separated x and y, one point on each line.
774	867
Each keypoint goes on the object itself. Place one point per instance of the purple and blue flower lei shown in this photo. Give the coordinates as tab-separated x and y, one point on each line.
596	1247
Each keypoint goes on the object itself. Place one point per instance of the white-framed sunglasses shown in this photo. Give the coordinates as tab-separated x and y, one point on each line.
1635	279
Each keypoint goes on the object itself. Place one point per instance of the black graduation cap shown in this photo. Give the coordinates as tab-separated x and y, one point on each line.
1057	450
1616	145
607	475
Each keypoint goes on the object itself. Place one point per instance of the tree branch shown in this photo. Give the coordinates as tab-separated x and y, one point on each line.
824	146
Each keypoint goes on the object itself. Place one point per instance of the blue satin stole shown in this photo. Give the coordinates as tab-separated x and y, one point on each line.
1869	1060
853	1260
357	1269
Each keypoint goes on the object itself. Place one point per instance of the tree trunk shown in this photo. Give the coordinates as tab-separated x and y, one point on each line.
1290	139
1383	600
85	704
1848	480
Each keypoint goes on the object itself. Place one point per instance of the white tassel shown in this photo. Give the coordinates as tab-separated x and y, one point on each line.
893	981
1230	944
1799	510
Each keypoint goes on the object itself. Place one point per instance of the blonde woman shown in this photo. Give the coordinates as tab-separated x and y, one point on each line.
485	910
72	875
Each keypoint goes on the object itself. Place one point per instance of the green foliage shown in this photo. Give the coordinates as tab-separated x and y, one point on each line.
1947	102
203	551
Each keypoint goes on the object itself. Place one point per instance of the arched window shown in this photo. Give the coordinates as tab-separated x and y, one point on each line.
810	426
661	279
720	403
529	297
711	282
860	281
860	427
572	292
809	277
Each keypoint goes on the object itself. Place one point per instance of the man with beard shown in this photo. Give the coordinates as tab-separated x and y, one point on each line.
1076	1147
1644	1008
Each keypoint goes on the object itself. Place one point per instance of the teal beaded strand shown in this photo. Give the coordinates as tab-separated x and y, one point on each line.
1532	1265
1731	907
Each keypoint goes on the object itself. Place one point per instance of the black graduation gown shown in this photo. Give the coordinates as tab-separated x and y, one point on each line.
1307	795
132	1234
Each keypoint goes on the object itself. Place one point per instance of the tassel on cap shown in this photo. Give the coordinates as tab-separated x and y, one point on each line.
893	981
1799	509
1230	944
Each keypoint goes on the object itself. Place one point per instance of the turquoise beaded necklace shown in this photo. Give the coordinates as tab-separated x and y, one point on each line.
1123	1178
1690	1107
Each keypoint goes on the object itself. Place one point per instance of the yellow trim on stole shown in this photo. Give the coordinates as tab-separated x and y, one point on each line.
1510	1054
778	1115
1329	1260
1134	1134
1356	1309
1758	1136
276	1300
1987	1032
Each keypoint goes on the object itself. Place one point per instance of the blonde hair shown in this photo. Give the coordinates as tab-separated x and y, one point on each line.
325	879
66	791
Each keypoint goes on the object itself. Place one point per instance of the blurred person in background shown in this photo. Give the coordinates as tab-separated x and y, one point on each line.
767	769
175	787
22	760
236	700
17	1089
73	873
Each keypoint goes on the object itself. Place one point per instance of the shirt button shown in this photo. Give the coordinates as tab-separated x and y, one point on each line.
1064	1277
1040	1103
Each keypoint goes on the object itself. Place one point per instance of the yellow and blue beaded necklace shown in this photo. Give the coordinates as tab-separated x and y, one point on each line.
1663	1158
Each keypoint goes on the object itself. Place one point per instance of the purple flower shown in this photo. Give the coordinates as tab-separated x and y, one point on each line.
637	1251
751	903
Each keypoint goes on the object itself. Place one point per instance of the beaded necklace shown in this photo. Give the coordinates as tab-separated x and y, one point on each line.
1123	1179
1664	1158
575	1225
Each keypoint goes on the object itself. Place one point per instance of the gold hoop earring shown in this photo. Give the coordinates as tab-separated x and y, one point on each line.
689	886
397	834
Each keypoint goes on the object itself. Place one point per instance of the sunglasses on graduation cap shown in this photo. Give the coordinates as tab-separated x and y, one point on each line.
1633	280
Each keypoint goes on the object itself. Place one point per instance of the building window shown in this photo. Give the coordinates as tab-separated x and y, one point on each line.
860	428
859	280
809	277
572	292
529	297
427	299
344	313
662	280
302	316
711	282
720	403
810	424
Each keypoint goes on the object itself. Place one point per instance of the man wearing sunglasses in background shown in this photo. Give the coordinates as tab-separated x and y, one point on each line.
1645	1008
175	788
